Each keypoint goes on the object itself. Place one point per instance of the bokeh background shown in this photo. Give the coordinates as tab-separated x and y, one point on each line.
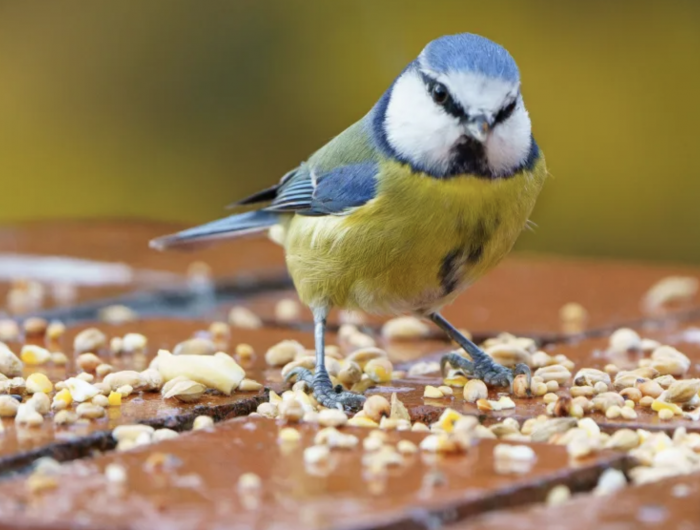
170	109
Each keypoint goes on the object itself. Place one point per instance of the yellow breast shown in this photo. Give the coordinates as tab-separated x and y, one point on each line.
415	246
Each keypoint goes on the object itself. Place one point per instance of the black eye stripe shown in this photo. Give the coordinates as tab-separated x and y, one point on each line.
503	114
450	105
455	109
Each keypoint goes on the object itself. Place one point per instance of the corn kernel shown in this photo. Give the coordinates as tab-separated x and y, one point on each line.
114	399
448	419
34	355
64	395
658	406
363	421
432	392
458	381
38	382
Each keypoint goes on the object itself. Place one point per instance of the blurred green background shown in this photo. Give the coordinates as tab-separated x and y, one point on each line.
170	109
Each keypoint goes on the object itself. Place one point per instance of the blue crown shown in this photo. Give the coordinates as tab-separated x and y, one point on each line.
470	53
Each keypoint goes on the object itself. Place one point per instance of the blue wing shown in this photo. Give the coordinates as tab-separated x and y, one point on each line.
335	192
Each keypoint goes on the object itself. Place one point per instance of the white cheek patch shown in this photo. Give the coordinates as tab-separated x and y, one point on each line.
422	133
419	130
508	145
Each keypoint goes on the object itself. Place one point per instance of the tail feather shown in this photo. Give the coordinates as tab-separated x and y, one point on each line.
227	228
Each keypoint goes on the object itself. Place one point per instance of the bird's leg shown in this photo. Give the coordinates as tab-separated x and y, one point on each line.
481	366
320	381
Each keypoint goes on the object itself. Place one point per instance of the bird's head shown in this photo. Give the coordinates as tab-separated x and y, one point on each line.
457	109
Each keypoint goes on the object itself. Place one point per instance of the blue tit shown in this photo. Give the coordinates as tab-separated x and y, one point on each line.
410	205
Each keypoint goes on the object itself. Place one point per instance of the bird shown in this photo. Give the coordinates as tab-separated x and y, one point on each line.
407	207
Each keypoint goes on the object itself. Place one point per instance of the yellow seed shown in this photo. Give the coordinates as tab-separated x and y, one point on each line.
379	370
114	399
362	421
629	404
34	355
446	390
64	395
665	414
458	381
432	392
38	382
447	420
658	406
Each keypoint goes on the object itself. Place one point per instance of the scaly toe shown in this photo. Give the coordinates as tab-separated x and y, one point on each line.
456	361
344	400
301	374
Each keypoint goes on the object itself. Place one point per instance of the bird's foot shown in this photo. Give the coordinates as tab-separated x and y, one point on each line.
486	369
324	391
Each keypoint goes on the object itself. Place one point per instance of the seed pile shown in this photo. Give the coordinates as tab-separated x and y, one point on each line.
575	400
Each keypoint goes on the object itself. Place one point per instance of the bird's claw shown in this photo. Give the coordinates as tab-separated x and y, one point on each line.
489	371
301	374
324	391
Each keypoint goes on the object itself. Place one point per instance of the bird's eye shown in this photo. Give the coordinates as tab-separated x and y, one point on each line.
439	93
505	112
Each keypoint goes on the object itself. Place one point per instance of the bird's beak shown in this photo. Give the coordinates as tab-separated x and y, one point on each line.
477	127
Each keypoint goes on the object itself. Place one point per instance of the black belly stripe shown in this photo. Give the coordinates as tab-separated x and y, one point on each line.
449	270
471	253
475	254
